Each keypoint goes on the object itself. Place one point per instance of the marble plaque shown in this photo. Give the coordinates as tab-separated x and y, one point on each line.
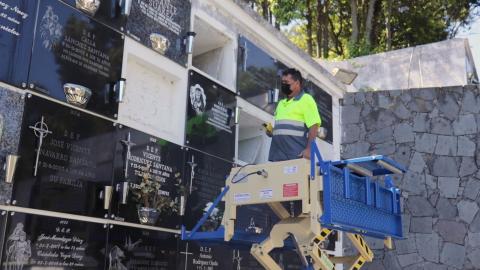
11	113
205	176
84	58
111	13
66	160
17	22
324	104
210	117
161	25
148	173
257	74
133	248
40	242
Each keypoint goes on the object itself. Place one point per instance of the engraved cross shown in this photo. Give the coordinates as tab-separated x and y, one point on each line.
192	172
128	144
40	129
186	255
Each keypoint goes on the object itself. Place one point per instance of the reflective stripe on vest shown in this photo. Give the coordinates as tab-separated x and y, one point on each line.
290	128
290	122
289	132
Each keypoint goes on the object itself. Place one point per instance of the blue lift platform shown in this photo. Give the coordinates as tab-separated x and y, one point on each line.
357	197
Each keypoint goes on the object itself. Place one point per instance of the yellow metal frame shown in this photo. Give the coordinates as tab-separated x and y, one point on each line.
277	182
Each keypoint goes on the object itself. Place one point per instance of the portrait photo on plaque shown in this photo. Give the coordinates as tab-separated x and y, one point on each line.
66	160
17	22
162	25
134	248
148	183
210	125
41	242
76	59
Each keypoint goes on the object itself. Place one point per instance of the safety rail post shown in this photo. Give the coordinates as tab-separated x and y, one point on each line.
346	183
314	154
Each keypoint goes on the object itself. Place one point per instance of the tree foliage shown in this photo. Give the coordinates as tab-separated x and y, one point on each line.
351	28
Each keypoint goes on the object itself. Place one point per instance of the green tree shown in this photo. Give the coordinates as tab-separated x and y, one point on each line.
351	28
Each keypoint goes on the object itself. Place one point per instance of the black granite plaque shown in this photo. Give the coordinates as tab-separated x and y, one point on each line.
257	75
161	25
210	117
76	59
324	104
287	258
195	255
256	219
148	175
39	242
17	21
66	159
206	177
11	112
110	12
133	248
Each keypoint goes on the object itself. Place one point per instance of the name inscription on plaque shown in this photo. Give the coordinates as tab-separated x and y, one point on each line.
161	25
11	17
17	19
45	242
148	174
84	58
67	159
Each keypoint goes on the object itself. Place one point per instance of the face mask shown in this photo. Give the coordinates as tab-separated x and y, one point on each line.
286	89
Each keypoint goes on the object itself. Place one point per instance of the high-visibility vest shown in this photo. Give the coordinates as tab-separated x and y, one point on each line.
293	118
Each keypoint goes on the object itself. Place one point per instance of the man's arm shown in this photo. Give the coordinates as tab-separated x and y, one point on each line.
312	134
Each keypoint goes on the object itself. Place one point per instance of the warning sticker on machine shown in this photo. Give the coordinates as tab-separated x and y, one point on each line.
290	190
266	193
241	197
290	169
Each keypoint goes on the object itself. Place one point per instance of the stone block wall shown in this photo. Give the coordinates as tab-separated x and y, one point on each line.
434	133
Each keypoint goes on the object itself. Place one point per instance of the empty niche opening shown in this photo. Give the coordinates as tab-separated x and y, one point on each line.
151	99
214	53
253	143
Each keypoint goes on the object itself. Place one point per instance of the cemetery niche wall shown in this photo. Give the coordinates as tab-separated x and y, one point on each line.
90	192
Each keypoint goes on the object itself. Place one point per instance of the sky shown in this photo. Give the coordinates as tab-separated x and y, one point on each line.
473	35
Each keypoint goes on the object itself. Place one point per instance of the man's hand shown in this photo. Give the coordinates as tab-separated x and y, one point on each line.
305	153
268	129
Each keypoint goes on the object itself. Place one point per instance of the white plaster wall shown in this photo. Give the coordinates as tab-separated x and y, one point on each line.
155	99
233	19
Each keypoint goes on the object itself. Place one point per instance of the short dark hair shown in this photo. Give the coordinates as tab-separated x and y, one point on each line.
296	75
